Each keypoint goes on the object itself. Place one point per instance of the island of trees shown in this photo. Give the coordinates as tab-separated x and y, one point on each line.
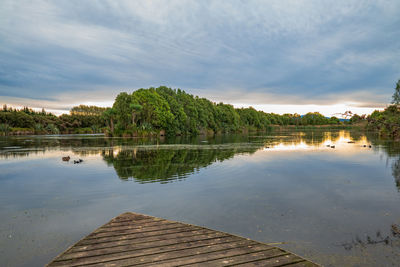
175	112
166	111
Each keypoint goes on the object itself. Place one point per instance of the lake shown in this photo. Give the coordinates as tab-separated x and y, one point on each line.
336	206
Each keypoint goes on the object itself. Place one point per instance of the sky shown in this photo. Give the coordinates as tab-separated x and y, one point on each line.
277	56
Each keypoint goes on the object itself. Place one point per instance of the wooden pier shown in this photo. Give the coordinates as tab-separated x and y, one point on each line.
139	240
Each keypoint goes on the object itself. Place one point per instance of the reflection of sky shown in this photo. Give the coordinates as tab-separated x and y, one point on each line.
343	143
310	196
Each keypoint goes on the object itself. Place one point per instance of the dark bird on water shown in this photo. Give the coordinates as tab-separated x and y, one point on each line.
395	230
66	158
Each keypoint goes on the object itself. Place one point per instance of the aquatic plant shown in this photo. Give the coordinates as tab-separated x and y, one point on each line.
4	128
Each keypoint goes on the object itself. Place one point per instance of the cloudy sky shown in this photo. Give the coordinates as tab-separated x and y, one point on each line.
279	56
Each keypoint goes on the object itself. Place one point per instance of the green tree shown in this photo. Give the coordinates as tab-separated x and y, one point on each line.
314	118
135	108
122	107
39	129
178	125
155	110
396	95
45	122
356	118
5	128
52	129
334	120
386	122
109	115
87	110
228	117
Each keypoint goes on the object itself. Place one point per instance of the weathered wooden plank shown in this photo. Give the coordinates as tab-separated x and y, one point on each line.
134	231
132	226
166	244
148	240
186	256
134	239
125	223
204	258
139	235
150	254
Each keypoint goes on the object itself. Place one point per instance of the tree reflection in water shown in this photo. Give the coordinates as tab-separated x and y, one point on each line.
161	160
163	165
396	172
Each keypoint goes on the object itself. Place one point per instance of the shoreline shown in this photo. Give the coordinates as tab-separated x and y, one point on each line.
202	133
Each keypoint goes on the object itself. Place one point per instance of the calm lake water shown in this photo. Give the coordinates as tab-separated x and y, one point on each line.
336	206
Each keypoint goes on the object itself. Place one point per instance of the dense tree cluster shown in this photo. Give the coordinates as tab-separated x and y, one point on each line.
87	110
175	112
387	122
396	94
28	121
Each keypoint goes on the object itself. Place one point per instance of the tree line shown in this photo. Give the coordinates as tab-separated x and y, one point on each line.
153	111
29	121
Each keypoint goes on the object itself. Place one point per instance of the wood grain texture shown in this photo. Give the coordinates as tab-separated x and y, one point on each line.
139	240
